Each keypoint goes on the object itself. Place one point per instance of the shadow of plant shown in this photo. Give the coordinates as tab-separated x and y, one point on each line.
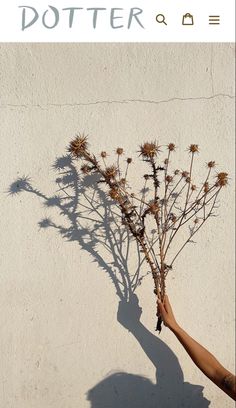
94	222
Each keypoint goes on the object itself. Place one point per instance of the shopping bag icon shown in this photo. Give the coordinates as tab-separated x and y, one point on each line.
187	19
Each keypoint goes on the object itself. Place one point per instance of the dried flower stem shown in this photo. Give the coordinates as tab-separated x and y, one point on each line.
170	213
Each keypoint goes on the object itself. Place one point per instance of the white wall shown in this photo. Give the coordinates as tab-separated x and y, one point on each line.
60	336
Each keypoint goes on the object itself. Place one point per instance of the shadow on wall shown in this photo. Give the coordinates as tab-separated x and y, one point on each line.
122	390
93	221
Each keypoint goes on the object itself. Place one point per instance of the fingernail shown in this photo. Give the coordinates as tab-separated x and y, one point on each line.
158	300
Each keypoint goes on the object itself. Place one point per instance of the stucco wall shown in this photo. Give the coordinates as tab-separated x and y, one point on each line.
60	338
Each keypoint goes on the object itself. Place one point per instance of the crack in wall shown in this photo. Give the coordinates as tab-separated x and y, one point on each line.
124	101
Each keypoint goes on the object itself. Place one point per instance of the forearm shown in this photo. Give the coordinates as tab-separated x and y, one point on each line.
206	362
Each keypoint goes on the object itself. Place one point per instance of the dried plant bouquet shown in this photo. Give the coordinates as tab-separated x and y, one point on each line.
169	200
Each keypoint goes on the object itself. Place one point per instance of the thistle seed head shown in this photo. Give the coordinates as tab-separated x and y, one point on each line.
149	150
211	164
78	146
115	194
171	147
185	174
111	172
222	179
85	169
193	148
119	151
103	154
169	179
154	207
129	160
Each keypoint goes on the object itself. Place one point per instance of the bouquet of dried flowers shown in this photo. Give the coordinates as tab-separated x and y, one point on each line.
175	201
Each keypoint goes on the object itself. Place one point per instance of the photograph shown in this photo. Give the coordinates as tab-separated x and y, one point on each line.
117	249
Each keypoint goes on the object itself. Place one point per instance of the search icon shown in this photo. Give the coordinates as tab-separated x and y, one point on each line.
160	18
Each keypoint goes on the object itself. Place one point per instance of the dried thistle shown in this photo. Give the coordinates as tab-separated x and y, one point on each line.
173	204
211	164
193	148
78	146
149	150
119	151
111	172
171	147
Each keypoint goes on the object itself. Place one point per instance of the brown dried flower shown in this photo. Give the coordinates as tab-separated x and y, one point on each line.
211	164
85	169
222	179
193	187
171	147
173	218
193	148
176	172
188	179
196	221
115	194
78	146
111	171
122	182
119	151
169	179
154	207
166	161
103	155
149	150
185	173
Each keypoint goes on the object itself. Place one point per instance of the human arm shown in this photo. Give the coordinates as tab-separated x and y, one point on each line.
204	360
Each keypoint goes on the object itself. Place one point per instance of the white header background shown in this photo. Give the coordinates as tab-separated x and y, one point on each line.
82	29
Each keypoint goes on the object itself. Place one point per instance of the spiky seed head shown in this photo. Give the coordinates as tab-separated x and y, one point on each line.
193	187
119	151
129	160
188	179
222	179
146	176
122	182
115	194
171	147
193	148
149	150
176	172
166	161
169	179
211	164
154	207
103	154
85	169
111	172
78	146
185	174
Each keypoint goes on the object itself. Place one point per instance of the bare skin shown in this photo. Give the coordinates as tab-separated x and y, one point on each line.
204	360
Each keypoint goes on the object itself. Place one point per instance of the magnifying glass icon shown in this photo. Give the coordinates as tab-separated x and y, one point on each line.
160	18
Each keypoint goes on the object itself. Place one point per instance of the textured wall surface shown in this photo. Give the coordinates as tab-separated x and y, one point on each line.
61	345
